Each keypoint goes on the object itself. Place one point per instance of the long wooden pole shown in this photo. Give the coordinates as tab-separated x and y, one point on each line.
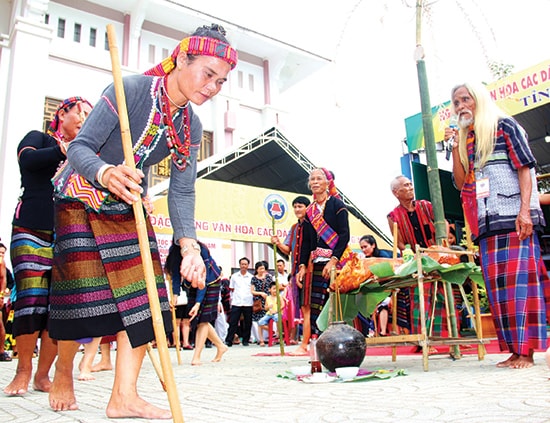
279	313
156	365
176	334
394	326
158	326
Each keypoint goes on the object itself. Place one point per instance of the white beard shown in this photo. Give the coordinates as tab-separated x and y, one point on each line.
465	121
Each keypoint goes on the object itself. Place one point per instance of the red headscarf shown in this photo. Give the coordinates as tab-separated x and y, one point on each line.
332	191
64	105
196	45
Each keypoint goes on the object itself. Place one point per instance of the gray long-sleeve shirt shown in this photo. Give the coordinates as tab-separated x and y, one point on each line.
99	142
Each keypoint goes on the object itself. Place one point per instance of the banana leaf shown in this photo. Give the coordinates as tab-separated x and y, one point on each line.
371	292
352	304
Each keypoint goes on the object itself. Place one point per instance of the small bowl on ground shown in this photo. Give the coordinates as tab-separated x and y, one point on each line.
347	372
300	370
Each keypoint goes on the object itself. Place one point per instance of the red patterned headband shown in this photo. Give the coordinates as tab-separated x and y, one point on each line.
196	45
64	105
332	191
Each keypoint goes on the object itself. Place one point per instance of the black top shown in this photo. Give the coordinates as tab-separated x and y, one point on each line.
39	157
336	216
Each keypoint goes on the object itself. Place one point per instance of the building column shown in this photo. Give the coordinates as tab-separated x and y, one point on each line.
27	87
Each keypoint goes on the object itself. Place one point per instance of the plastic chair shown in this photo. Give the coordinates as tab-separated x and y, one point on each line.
286	332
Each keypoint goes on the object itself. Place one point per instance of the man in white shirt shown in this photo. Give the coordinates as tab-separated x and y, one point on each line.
281	273
241	303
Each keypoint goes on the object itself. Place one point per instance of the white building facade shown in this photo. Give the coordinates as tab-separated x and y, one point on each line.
51	50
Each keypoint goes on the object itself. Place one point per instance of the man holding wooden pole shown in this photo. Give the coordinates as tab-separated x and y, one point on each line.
98	283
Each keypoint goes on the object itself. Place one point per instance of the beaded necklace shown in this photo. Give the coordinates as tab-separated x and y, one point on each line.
179	151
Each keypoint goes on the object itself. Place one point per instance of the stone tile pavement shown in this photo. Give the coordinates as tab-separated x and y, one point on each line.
244	388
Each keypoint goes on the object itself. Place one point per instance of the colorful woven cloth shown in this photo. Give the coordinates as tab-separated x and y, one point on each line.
516	291
210	295
31	256
319	294
98	283
332	191
327	234
195	45
425	215
468	193
64	105
209	305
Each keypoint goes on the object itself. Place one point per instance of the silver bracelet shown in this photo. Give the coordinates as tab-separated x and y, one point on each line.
101	172
193	245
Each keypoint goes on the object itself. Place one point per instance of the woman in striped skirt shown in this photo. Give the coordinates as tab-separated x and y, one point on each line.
204	309
324	247
98	282
31	250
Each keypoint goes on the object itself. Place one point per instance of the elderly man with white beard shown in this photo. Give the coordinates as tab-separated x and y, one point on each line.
493	167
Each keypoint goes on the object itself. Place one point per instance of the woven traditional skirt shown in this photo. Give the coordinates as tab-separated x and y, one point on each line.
515	288
208	311
98	282
31	254
319	294
435	317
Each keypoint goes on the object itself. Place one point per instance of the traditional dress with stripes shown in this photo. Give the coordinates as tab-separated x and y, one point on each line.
423	234
31	256
98	279
31	246
513	271
98	283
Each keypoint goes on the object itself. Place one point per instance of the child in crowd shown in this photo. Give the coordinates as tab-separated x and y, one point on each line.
271	311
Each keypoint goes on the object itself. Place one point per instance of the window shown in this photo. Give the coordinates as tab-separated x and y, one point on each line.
163	167
165	53
251	82
61	28
93	36
106	45
77	32
47	19
240	79
151	53
207	145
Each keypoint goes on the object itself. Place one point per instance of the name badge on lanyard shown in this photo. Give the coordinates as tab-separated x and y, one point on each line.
482	188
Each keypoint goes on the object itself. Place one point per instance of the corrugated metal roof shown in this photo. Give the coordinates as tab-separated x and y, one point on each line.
273	162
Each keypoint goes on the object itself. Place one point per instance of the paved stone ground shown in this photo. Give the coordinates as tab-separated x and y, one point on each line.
245	388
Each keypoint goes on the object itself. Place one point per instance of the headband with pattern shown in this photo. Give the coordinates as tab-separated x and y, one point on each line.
64	105
332	191
196	45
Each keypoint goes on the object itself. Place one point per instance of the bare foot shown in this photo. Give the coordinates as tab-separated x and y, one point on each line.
299	351
42	384
509	361
20	383
135	407
99	367
85	376
196	363
523	362
221	351
62	393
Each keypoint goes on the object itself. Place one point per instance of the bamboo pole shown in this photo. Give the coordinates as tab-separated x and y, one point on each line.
279	314
394	294
424	342
479	330
156	365
176	334
143	237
